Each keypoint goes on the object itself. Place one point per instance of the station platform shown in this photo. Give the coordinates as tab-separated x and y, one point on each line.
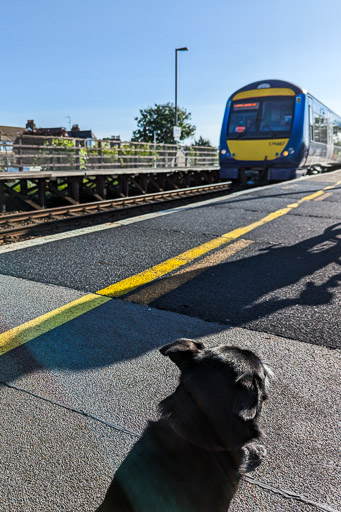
41	189
37	171
84	313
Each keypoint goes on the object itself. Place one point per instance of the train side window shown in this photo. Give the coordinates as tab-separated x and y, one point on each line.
337	135
317	127
323	130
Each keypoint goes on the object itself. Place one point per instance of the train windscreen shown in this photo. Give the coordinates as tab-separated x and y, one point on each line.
261	118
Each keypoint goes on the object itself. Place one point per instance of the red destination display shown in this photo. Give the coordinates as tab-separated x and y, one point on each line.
246	106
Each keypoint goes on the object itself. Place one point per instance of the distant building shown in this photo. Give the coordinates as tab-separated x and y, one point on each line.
10	133
58	131
8	136
81	134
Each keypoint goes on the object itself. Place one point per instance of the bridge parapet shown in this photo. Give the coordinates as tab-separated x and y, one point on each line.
38	172
50	154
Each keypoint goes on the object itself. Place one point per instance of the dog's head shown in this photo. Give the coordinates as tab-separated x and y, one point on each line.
220	395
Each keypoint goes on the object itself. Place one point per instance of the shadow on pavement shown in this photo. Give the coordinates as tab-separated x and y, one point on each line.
242	291
113	332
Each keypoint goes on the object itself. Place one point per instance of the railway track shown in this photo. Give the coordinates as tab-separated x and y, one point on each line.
33	223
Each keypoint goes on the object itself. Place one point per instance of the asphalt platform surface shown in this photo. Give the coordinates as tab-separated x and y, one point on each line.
75	397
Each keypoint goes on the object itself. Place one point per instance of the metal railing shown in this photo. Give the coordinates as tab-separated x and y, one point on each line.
38	153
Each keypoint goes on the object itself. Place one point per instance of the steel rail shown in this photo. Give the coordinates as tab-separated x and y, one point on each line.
22	223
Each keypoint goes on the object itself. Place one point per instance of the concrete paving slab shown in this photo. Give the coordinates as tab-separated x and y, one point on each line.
109	366
301	418
250	498
99	362
22	300
52	459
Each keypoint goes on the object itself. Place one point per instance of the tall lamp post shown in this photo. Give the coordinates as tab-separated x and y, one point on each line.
185	49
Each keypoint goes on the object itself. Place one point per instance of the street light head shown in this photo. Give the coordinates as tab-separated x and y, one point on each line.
185	49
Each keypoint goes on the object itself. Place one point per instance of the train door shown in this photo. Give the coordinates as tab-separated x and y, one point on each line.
310	156
330	142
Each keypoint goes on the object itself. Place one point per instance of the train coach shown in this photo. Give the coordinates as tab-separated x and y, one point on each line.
273	130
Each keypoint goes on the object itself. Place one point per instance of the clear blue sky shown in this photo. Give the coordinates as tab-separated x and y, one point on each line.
100	62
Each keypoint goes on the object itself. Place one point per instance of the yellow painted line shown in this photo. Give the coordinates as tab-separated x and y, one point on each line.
142	278
328	194
131	283
182	276
23	333
45	323
332	186
312	196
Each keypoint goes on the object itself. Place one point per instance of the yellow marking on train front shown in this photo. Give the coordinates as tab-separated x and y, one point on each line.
256	150
258	93
45	323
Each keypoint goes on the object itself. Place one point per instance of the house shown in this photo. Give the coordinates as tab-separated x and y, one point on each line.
81	134
8	135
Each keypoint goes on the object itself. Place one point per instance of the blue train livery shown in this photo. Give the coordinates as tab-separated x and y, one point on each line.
273	130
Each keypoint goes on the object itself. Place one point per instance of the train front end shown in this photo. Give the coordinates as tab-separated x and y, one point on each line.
263	134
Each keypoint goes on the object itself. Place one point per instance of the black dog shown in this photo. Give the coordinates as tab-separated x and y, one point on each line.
191	459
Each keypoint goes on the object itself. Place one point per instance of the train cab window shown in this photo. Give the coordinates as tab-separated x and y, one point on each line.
261	118
277	115
243	117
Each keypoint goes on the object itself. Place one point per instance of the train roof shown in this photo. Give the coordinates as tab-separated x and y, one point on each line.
269	84
260	88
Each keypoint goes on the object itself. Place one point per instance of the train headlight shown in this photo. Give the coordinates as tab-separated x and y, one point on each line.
289	151
226	153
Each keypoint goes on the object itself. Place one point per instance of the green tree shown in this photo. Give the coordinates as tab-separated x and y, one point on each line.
160	118
202	142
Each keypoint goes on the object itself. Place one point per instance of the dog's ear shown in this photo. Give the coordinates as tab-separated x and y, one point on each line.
248	395
182	350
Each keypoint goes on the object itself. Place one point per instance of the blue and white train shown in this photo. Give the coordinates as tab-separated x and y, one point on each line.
273	130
